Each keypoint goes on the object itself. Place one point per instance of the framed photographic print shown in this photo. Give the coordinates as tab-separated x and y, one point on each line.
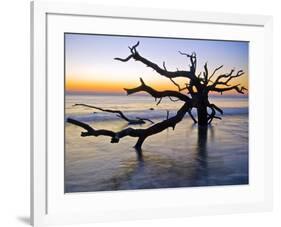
145	113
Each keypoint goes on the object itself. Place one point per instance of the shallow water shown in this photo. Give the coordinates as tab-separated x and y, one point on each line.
140	106
182	157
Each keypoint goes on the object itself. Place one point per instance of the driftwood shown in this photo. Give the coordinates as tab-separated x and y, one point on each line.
120	114
141	134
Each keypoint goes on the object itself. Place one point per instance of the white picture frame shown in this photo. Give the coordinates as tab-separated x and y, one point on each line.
49	19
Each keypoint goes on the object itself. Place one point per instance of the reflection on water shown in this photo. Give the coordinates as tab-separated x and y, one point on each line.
184	157
202	146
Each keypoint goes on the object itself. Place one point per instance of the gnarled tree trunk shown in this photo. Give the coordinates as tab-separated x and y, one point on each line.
202	115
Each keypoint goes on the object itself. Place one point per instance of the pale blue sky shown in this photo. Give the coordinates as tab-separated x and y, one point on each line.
91	57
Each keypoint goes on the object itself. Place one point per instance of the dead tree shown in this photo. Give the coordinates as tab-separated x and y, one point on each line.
194	94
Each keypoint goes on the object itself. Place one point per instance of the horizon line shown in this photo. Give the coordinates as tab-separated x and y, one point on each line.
141	94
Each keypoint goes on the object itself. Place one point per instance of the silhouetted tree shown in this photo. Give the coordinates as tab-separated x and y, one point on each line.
195	94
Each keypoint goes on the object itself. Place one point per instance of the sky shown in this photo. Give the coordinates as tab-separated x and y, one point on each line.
90	66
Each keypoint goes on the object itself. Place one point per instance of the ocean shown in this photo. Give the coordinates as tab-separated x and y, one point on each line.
184	157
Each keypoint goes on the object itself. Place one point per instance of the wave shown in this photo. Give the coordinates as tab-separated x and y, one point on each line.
151	114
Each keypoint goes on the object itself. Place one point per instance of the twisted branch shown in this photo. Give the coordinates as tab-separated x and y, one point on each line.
236	87
213	115
214	72
162	71
142	134
193	60
157	94
120	114
227	78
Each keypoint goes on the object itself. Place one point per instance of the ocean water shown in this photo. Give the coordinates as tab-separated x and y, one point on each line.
184	157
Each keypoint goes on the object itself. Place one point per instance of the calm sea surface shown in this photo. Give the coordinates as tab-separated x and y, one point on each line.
183	157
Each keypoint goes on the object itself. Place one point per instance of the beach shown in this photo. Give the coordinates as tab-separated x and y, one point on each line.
184	157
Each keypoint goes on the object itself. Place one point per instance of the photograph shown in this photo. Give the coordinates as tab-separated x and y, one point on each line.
146	112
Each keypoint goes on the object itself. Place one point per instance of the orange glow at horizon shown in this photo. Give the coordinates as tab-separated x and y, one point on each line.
111	87
160	84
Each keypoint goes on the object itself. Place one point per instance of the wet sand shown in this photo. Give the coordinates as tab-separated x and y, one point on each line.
185	157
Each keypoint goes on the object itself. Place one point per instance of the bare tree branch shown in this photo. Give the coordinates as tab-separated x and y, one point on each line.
164	66
173	100
206	74
236	87
145	119
191	115
222	76
120	114
171	79
176	84
228	78
216	108
214	72
212	115
238	74
142	134
167	114
170	74
159	102
193	60
157	94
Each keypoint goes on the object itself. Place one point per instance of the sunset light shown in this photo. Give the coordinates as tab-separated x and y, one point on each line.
146	113
91	68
